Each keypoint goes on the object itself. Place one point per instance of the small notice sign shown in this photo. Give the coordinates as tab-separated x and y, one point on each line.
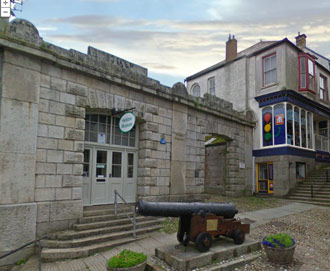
279	119
101	138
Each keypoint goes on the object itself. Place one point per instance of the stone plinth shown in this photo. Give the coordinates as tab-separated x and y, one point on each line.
222	249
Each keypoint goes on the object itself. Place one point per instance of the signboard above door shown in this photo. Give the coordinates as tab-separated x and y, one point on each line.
127	122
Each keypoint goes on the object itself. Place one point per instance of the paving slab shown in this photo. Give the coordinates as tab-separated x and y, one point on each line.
190	258
158	239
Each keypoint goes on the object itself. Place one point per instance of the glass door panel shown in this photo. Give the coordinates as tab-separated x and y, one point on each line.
116	175
86	189
100	184
265	178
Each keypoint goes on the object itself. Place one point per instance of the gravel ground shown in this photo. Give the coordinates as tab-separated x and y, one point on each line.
311	231
249	203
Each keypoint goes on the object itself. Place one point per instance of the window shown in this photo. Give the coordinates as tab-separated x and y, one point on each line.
289	135
211	85
196	90
323	88
287	124
105	130
269	68
306	73
267	126
300	171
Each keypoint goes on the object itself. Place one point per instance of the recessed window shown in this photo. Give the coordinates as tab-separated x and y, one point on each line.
323	88
300	171
211	85
104	129
269	68
306	73
196	90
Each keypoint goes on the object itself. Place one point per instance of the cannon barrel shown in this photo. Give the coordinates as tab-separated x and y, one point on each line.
177	209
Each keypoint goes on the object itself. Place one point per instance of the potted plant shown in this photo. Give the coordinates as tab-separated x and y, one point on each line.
279	248
127	260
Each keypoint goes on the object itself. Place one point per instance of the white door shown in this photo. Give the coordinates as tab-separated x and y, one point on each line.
87	178
116	175
100	180
130	172
106	171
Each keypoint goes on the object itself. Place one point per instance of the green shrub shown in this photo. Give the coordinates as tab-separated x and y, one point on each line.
126	258
280	240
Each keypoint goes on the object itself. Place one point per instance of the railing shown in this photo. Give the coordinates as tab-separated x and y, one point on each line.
133	220
27	244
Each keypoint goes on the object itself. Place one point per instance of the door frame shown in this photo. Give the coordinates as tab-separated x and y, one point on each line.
92	167
270	177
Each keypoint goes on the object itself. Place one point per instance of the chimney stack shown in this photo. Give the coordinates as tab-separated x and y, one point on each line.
231	48
301	40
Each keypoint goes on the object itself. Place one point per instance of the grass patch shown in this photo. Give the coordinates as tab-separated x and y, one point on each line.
170	225
248	203
22	261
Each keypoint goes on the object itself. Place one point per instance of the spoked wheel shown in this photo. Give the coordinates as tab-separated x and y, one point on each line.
239	237
203	241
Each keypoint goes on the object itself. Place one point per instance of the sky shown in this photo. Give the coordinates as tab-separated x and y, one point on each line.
174	39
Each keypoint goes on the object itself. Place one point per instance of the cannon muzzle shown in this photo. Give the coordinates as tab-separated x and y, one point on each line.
178	209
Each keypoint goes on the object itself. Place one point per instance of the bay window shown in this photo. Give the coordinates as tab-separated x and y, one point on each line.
286	124
306	73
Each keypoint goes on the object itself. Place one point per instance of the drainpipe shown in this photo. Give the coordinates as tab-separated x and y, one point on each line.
253	175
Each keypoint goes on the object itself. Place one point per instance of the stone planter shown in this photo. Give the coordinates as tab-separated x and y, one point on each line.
280	255
139	267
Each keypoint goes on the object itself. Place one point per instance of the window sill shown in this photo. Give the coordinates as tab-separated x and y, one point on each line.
307	90
270	85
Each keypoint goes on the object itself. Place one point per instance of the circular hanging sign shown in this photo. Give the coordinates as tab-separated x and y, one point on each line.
126	122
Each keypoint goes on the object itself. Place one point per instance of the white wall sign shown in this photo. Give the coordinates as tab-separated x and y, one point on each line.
126	122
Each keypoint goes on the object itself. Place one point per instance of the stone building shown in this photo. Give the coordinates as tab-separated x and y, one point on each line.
61	147
286	87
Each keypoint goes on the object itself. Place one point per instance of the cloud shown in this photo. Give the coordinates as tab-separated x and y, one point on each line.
183	47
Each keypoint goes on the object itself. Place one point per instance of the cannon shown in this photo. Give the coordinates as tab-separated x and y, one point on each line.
199	222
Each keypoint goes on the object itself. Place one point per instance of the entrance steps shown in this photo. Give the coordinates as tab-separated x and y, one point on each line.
99	229
321	188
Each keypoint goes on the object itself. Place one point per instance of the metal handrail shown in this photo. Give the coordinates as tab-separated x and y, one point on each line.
133	220
27	244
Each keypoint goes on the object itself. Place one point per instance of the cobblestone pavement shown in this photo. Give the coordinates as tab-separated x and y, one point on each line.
308	224
311	231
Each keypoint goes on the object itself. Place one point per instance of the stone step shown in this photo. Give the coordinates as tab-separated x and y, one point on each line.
315	186
308	188
102	224
55	254
316	195
108	211
108	206
71	234
311	202
99	218
309	198
86	241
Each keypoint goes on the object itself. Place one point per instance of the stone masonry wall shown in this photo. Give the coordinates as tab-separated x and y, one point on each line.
45	94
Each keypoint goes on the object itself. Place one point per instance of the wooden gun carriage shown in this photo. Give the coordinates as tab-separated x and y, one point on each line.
199	222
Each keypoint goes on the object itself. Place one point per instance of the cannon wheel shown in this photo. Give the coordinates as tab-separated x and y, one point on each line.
239	237
203	241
